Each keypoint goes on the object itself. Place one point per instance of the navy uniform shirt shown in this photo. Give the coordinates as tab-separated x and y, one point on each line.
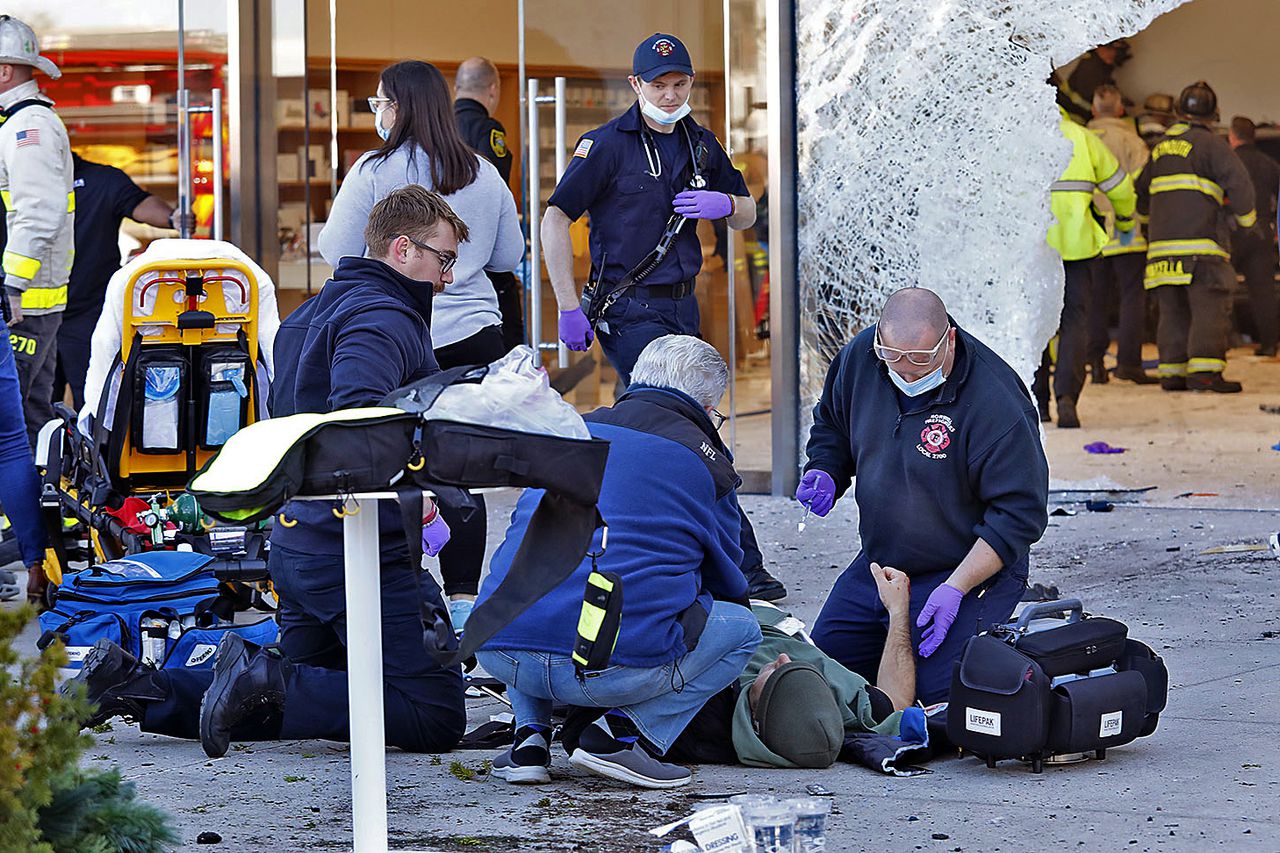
610	177
104	196
484	134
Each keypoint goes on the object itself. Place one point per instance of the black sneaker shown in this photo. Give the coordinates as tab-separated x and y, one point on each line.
1136	375
621	757
9	588
526	762
763	586
106	668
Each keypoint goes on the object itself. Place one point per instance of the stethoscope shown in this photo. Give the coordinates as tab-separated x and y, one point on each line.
651	154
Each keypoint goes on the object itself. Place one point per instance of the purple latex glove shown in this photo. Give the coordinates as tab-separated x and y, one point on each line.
575	331
703	204
941	609
435	535
817	491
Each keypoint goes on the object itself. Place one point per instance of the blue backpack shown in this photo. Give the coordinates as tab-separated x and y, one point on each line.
164	607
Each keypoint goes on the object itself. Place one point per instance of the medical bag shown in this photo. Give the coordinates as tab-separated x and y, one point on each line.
1054	683
165	608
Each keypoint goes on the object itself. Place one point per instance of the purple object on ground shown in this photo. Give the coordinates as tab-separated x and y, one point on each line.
1103	447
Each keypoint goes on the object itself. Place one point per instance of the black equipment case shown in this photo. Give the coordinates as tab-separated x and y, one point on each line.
1046	686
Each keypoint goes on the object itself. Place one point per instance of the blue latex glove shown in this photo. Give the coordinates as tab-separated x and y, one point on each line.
940	609
435	535
575	331
817	491
1126	237
703	204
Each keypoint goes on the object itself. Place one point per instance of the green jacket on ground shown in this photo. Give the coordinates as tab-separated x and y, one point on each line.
849	688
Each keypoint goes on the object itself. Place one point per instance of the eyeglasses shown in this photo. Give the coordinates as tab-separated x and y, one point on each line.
375	102
717	419
918	357
447	259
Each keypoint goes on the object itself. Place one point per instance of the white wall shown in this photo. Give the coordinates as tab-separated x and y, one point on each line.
1232	44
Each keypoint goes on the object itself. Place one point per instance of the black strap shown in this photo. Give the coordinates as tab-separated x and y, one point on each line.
556	540
5	115
422	395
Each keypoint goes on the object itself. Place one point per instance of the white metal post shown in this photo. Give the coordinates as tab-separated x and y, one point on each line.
217	164
364	676
535	222
561	350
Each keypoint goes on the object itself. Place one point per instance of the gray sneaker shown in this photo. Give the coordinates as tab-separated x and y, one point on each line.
634	766
526	762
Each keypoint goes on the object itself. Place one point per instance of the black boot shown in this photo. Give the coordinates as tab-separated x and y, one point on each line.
764	586
1136	375
1213	382
115	684
1067	417
247	681
1099	371
1173	383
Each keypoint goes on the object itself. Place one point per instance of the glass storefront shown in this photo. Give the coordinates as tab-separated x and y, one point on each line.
296	74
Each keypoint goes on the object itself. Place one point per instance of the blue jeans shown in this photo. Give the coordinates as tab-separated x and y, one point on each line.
19	485
853	624
660	700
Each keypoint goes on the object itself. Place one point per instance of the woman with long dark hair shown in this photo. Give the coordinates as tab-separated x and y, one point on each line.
413	113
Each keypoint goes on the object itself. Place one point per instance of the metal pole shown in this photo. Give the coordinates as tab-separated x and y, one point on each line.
184	127
731	248
525	207
562	351
217	165
535	204
333	100
364	677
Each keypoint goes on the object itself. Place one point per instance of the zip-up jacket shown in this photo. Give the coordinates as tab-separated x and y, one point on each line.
1076	232
1193	173
36	177
938	471
669	499
1120	135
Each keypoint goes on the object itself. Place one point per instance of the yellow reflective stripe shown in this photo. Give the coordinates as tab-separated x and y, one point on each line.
1172	368
1177	129
1186	181
1117	178
1173	248
20	265
7	197
1249	220
39	298
1206	365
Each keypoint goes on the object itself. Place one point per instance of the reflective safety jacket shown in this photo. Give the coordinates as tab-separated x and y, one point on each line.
36	185
1077	234
1193	173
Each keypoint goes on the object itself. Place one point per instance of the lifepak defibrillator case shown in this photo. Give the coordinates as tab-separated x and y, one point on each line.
1041	687
160	392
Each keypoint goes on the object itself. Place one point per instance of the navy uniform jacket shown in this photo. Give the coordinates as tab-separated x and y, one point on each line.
485	134
365	334
610	177
937	471
669	497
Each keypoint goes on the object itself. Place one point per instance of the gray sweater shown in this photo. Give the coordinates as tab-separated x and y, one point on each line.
469	304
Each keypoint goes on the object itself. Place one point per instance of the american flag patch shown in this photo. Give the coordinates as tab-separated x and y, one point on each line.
28	137
584	147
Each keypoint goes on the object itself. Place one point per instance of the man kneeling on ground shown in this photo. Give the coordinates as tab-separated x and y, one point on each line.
365	335
668	498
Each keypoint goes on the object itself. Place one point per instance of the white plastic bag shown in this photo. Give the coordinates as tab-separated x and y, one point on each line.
515	394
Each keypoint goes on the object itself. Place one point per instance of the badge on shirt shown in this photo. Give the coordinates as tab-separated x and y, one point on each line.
584	147
935	438
28	137
498	142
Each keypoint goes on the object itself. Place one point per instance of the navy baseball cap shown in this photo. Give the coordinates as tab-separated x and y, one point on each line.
658	55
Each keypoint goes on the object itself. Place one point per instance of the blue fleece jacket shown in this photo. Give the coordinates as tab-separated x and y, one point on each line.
364	335
938	471
668	498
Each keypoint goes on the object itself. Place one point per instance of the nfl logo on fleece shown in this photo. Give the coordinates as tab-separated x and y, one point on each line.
28	137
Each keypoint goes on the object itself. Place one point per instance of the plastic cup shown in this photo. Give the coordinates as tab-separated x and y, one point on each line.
772	825
811	822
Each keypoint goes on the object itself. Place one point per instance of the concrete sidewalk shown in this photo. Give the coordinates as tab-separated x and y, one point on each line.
1209	777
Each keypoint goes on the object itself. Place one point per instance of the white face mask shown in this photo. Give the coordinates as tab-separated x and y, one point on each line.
384	132
923	385
660	115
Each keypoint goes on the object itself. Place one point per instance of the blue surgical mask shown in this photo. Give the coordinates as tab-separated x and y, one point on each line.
923	385
660	115
384	132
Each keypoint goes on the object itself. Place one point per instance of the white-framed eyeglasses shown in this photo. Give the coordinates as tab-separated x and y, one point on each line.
376	103
918	357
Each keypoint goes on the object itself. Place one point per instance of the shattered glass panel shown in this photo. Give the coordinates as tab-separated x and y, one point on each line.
928	138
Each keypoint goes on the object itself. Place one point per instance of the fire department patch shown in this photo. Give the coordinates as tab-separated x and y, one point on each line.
935	438
498	142
664	47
